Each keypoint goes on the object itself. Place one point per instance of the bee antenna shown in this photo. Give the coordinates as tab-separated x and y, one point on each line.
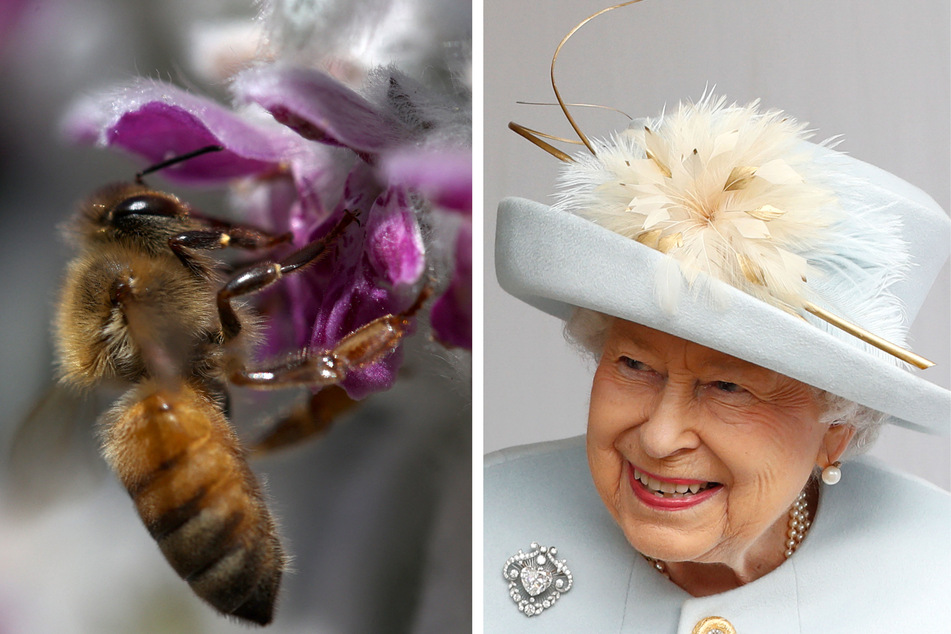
181	158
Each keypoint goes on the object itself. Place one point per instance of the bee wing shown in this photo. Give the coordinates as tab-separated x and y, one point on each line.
54	453
161	344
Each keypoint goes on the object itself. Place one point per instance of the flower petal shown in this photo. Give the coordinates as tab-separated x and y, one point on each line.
451	314
319	108
359	304
394	244
343	301
443	177
369	275
158	121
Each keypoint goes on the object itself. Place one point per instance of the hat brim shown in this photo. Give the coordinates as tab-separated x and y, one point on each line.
555	261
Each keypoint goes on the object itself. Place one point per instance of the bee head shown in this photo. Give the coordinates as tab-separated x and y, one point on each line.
132	214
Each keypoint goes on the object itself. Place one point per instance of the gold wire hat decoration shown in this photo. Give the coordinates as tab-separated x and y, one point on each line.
532	135
740	181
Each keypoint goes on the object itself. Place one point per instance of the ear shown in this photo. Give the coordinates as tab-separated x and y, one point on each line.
833	444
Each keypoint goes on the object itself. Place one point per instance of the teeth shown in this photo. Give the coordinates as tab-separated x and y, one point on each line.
668	489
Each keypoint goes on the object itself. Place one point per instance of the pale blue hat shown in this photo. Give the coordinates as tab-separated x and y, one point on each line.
872	263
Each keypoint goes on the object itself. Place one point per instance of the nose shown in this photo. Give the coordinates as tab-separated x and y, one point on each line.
670	426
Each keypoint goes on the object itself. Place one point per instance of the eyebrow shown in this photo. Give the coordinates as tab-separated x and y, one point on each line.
632	338
639	342
731	364
713	360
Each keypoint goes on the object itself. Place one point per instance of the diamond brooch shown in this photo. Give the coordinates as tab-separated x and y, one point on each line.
536	579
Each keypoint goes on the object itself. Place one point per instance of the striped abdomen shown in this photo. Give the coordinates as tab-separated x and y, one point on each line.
180	460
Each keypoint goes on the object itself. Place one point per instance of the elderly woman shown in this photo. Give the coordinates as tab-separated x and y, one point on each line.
746	294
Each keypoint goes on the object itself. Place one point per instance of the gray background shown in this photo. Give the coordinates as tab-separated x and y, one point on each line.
876	73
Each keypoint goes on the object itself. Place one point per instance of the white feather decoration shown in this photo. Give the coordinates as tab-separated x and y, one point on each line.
738	195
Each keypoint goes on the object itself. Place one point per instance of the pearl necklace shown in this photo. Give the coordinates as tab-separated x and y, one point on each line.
796	529
798	524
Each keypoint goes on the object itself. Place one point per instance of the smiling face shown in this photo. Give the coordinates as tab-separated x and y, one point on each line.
729	444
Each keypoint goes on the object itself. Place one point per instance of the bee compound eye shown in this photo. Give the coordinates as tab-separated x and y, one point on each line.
145	205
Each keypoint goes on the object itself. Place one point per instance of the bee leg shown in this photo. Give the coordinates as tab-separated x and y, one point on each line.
306	420
242	236
264	274
365	345
219	236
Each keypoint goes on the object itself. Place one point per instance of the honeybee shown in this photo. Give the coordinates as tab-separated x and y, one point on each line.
143	305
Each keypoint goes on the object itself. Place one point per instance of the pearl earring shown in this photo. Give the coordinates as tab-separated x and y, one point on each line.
832	474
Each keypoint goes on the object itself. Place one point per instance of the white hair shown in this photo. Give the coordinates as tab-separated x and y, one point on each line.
587	331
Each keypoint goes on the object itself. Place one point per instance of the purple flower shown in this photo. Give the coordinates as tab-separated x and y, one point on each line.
157	120
445	179
325	150
320	108
451	314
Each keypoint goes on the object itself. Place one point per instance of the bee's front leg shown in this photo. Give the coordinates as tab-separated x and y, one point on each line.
220	235
263	274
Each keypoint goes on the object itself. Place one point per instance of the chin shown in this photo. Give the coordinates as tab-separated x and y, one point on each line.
677	540
659	543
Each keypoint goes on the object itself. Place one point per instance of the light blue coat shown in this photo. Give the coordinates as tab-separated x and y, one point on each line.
877	558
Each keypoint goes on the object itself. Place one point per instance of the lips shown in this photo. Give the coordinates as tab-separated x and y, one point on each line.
669	493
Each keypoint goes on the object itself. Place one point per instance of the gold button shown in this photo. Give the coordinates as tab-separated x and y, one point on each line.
714	625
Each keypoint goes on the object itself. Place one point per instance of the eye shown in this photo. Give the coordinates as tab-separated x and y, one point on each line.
726	386
636	370
627	363
144	205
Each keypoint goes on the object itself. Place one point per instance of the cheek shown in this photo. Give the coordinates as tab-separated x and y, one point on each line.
780	430
770	455
787	436
612	410
612	413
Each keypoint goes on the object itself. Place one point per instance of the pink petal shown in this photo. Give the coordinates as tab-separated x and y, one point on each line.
443	177
360	304
394	244
365	277
350	301
158	121
319	108
451	314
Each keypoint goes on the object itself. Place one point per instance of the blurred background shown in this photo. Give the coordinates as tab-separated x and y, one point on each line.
377	514
875	72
